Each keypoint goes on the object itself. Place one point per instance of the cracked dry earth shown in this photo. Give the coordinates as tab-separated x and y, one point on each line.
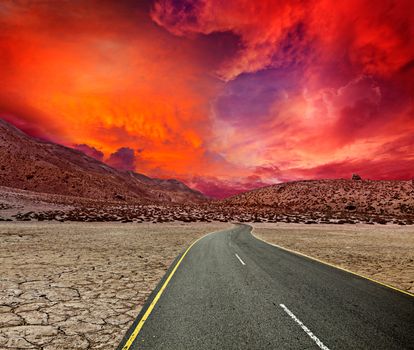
382	252
81	285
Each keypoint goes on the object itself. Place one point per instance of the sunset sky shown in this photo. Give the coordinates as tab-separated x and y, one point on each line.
224	95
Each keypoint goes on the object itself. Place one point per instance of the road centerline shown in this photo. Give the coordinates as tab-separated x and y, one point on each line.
238	257
306	329
210	289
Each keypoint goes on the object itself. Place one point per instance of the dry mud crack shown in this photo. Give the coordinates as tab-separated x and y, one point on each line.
80	285
382	252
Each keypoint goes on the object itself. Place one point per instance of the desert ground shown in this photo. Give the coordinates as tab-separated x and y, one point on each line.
80	285
382	252
22	205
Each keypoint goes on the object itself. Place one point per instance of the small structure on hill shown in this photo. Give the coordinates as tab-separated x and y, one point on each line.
356	177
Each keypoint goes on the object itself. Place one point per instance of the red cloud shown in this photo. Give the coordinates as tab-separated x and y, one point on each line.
379	38
123	159
261	25
222	188
234	94
385	169
90	151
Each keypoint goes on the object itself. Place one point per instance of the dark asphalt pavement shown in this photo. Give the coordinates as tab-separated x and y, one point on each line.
267	298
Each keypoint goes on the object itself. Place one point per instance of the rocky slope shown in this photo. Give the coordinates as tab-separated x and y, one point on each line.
331	196
30	164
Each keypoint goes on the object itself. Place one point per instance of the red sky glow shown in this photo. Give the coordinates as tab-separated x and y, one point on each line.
224	95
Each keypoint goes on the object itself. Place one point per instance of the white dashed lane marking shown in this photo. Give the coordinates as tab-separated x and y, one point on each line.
306	329
238	257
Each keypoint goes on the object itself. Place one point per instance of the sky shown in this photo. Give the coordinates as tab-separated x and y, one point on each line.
224	95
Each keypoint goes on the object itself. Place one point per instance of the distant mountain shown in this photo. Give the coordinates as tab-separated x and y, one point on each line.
330	196
31	164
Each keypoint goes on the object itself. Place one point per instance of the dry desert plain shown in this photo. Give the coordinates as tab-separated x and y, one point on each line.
382	252
80	285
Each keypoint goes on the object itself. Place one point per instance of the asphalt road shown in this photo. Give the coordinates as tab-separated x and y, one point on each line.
233	291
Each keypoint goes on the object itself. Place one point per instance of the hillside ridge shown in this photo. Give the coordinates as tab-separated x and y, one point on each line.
36	165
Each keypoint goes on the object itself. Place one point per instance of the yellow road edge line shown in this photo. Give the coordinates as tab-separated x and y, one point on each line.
141	322
332	265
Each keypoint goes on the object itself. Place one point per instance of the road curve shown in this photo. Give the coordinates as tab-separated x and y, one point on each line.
233	291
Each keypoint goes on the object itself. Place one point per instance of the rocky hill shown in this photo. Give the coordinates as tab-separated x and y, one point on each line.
332	196
31	164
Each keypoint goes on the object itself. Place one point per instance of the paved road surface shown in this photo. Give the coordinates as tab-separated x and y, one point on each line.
233	291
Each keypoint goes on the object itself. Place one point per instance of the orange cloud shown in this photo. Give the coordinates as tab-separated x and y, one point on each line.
227	94
97	76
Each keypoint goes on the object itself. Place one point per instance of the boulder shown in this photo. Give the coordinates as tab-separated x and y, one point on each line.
119	197
350	207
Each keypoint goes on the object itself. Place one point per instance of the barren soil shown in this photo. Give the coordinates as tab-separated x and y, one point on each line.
363	197
23	205
382	252
80	285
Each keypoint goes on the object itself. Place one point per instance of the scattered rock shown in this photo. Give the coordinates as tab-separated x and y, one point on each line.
119	197
350	207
